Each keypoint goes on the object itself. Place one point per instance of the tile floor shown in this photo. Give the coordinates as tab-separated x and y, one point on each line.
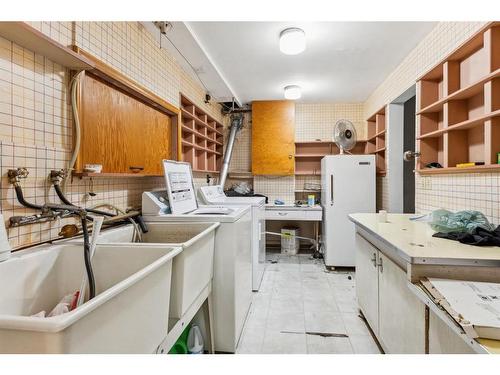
299	297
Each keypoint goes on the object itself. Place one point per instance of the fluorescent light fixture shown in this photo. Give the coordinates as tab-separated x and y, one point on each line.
292	41
292	92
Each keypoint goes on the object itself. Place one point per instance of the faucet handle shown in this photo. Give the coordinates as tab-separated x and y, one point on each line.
16	174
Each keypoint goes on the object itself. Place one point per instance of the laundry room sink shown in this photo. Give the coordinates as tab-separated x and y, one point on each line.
192	269
129	313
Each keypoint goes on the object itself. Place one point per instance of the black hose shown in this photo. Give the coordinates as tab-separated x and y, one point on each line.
20	198
88	263
140	221
86	240
65	200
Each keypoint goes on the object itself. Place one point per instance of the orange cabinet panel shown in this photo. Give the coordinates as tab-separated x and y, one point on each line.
273	136
120	132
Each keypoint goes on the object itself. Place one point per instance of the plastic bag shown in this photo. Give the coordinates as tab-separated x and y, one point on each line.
445	221
66	304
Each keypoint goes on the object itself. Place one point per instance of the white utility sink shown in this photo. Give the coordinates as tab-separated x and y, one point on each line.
128	315
192	269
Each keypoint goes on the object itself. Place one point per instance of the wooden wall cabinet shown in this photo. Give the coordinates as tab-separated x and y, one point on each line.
394	313
458	107
120	132
273	134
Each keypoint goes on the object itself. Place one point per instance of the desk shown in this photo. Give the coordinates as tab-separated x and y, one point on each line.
297	213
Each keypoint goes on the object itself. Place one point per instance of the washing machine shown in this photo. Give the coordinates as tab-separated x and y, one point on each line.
214	195
232	282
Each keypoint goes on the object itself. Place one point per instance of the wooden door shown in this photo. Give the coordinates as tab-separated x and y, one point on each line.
367	281
402	315
273	135
121	132
101	127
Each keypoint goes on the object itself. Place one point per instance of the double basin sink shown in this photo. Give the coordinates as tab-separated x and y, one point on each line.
139	286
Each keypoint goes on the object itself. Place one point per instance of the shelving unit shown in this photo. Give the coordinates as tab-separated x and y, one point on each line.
201	137
30	38
458	107
308	155
375	143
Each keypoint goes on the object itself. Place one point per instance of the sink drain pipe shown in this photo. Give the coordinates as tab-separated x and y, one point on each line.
236	125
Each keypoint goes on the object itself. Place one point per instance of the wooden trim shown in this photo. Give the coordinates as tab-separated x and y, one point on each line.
314	142
313	156
492	168
30	38
126	84
111	175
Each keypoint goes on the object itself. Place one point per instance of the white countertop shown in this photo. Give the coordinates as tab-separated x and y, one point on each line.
413	242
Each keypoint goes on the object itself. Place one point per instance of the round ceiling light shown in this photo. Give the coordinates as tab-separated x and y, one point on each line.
292	41
292	92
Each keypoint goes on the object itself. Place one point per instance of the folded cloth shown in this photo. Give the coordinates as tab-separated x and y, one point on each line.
478	237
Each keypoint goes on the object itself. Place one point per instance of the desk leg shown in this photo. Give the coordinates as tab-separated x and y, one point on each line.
317	254
211	322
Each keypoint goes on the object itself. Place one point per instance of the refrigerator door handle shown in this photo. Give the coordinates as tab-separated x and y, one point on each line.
331	190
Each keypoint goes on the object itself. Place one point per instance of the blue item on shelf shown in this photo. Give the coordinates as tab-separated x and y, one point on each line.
279	202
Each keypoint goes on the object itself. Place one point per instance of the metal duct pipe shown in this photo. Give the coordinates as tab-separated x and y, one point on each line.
236	125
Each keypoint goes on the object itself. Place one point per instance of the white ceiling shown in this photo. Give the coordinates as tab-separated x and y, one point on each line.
343	61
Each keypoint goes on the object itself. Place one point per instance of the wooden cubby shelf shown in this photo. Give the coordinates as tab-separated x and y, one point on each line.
201	138
308	155
375	144
458	107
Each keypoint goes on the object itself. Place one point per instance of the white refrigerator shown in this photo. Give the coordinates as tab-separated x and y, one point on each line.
347	186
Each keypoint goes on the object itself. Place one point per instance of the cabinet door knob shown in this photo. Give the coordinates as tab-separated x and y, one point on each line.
290	156
380	265
374	260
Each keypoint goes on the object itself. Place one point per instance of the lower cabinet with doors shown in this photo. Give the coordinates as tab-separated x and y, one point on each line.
394	313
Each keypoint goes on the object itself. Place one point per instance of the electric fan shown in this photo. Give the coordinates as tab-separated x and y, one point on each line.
344	135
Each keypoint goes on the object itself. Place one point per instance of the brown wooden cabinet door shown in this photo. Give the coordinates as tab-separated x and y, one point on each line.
121	132
273	134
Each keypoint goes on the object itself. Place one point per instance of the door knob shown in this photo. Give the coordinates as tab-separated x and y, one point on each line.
374	260
290	156
411	155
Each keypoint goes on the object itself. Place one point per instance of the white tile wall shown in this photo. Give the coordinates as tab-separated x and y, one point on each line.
36	123
276	187
316	121
478	191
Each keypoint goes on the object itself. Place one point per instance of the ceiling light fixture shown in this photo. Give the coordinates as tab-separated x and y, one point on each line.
292	92
292	41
